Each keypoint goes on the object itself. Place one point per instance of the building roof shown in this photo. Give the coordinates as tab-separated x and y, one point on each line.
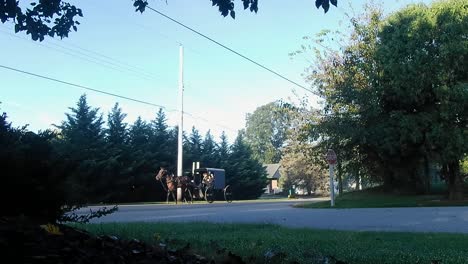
272	170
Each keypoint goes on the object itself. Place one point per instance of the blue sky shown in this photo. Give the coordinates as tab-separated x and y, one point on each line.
219	86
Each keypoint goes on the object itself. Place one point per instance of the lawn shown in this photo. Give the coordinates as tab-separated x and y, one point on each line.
274	244
374	198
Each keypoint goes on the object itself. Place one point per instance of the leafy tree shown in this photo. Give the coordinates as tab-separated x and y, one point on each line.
424	88
266	131
244	173
302	163
58	18
388	92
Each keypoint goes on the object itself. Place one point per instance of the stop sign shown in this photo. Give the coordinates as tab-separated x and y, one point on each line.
331	157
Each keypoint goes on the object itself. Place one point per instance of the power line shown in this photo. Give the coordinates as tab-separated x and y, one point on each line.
86	57
208	121
229	49
139	69
86	88
111	94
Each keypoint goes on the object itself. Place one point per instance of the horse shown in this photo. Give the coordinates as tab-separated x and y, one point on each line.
172	183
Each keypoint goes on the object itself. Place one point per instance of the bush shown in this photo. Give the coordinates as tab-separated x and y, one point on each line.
32	181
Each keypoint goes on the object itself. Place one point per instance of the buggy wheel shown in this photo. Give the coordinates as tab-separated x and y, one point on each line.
228	194
188	196
209	194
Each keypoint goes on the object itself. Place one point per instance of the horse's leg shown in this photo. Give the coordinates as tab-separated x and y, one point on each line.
167	198
173	196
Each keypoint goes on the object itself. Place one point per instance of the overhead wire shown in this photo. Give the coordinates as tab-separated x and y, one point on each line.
230	49
86	57
86	88
113	95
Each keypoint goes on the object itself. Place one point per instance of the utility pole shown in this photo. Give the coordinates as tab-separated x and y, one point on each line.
181	120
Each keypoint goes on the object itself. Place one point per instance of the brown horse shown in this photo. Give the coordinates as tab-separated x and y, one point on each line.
172	183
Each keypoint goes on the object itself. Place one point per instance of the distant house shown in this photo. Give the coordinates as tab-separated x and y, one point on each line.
273	175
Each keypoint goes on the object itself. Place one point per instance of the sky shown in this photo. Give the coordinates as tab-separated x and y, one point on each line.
137	55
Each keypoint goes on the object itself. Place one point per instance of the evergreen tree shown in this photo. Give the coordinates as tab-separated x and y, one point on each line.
118	170
208	156
139	135
194	147
82	141
222	151
82	130
244	173
117	129
159	141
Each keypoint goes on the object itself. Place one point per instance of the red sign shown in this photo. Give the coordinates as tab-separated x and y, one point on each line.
331	157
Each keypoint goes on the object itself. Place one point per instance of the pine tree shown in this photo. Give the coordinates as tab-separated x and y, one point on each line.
194	146
83	127
208	155
83	142
139	135
222	151
117	129
244	173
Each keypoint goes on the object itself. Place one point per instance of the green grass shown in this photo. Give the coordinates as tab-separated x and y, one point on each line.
302	245
378	199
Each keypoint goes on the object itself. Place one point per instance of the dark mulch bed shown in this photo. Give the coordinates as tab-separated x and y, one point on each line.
23	241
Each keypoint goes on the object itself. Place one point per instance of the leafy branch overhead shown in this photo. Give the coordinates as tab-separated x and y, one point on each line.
57	18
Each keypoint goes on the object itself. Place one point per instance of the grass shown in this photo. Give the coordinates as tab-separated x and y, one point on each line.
252	242
376	199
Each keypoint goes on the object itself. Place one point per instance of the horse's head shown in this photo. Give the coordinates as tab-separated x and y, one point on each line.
162	174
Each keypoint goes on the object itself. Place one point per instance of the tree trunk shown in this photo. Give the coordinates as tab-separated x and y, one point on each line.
358	180
340	179
426	177
455	182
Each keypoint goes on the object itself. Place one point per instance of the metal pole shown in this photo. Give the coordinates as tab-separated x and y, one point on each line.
332	186
181	120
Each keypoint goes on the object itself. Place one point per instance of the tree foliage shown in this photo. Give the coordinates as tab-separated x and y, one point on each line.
396	95
57	18
245	175
85	162
266	131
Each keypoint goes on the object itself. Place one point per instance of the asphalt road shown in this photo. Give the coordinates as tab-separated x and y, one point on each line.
428	219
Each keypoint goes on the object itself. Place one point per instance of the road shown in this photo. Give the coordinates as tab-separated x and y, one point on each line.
428	219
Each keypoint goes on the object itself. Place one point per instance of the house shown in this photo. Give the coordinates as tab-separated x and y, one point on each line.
273	175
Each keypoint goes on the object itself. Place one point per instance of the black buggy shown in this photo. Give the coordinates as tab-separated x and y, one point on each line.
209	183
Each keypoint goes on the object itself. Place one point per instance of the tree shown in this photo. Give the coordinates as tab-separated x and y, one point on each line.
160	145
194	146
58	18
424	71
139	135
388	92
208	156
266	131
302	163
222	151
30	168
82	141
244	173
83	128
117	129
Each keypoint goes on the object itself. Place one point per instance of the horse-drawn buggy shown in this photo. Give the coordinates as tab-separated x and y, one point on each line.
204	184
